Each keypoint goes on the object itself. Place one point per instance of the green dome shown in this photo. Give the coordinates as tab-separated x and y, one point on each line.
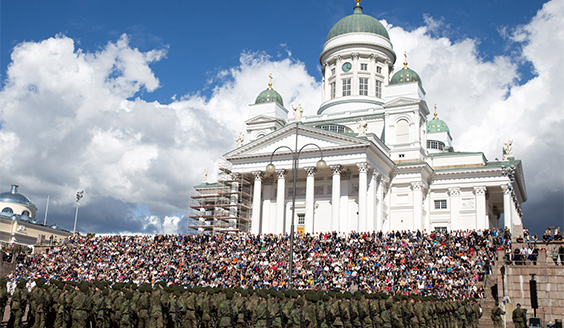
405	75
358	22
435	126
269	95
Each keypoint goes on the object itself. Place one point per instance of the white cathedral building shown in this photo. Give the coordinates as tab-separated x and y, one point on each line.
389	163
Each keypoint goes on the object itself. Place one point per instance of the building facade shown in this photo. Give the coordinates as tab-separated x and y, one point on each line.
18	225
389	167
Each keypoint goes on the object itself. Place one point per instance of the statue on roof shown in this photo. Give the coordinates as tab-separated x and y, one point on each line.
205	178
362	128
240	139
298	111
507	150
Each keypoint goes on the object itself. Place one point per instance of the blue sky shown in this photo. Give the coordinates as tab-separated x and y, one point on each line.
189	63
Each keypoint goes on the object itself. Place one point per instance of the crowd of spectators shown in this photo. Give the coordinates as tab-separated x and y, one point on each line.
445	264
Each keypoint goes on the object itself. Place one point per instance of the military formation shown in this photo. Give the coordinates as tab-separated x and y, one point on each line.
107	305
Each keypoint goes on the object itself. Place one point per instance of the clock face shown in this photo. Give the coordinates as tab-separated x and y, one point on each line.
347	67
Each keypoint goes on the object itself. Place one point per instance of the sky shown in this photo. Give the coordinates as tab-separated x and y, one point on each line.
131	100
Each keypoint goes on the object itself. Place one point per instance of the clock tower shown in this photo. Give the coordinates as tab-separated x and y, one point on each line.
356	61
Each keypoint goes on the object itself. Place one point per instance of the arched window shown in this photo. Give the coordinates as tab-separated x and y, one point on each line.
7	210
402	131
25	213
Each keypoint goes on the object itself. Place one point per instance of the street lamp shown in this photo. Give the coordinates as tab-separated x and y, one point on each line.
270	169
79	195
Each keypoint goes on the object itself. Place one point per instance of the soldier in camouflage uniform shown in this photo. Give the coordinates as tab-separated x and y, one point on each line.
81	308
3	296
18	304
497	313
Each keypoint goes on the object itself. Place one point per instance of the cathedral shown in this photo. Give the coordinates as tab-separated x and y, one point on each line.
374	157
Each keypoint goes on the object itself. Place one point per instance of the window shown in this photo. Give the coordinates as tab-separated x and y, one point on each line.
25	213
364	67
333	89
7	210
379	69
440	204
401	155
433	144
378	89
301	219
332	71
335	128
363	86
346	87
441	229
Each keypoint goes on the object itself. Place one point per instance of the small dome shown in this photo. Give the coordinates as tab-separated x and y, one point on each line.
358	22
14	197
435	125
405	75
269	95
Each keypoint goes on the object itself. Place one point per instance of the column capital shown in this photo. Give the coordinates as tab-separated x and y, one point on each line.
355	55
418	185
480	190
282	173
258	175
362	167
376	175
336	169
506	189
310	170
454	191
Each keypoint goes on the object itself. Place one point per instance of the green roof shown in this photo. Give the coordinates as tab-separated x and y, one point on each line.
358	22
269	95
435	126
405	75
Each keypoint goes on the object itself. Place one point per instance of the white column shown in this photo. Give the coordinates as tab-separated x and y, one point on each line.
281	202
268	213
454	199
417	205
355	85
336	196
507	220
310	196
386	213
481	214
371	202
379	202
256	226
362	195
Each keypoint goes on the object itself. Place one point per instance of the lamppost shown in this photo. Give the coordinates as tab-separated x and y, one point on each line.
79	195
270	169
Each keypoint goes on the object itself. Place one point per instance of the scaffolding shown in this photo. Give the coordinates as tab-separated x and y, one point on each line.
224	206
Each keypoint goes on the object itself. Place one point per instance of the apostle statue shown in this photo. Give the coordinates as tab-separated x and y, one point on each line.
298	111
362	128
508	150
240	139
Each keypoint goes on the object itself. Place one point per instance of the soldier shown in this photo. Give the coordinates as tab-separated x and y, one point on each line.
159	300
461	315
18	304
40	301
497	313
227	311
519	317
81	308
298	317
127	311
261	313
3	296
189	301
143	305
386	315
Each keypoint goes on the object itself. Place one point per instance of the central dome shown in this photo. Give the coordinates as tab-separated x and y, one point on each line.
358	22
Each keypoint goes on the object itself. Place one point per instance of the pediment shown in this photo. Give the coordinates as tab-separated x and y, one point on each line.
286	136
402	101
261	119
